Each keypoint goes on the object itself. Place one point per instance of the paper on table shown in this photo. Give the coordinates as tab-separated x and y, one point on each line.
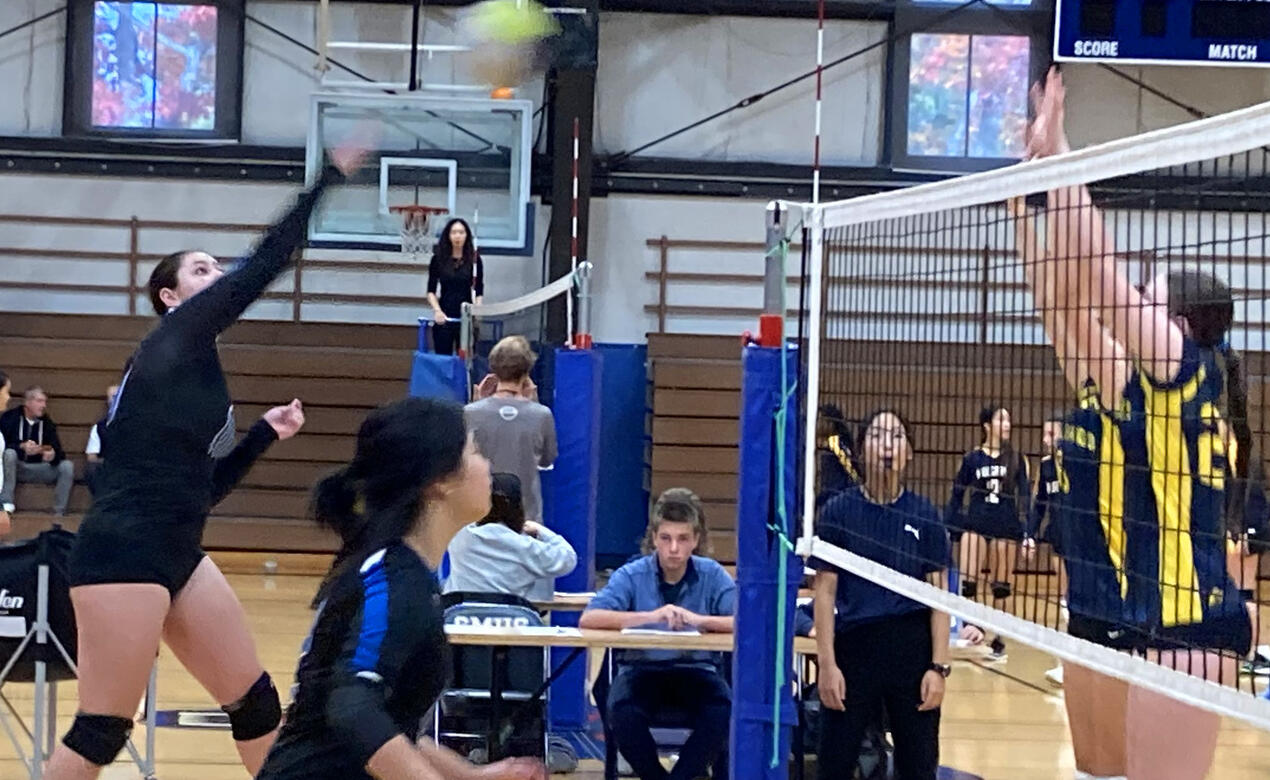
650	631
521	630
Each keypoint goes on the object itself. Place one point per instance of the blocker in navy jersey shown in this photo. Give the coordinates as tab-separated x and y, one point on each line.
1089	513
374	664
170	429
1177	466
998	500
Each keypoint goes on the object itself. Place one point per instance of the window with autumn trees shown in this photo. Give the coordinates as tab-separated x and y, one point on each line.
154	69
960	84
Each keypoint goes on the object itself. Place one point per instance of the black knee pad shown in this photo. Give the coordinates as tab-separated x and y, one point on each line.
1001	590
98	738
257	713
970	589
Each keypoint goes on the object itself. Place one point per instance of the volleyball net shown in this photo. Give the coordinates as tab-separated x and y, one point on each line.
1102	509
484	324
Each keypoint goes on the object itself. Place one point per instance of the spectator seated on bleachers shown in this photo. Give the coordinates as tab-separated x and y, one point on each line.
671	588
33	452
505	553
95	451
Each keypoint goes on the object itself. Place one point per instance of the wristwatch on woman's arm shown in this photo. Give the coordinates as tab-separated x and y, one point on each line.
943	669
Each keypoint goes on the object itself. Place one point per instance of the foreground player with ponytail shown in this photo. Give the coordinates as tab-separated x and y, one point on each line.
377	657
138	573
1173	395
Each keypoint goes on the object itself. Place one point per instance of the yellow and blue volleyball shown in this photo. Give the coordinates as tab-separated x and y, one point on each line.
504	36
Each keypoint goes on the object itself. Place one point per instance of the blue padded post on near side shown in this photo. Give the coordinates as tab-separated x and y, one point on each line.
570	508
754	667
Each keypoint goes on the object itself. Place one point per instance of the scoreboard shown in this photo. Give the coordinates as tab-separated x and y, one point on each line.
1164	32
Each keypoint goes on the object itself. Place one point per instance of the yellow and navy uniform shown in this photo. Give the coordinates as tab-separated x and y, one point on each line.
1177	460
1088	512
836	469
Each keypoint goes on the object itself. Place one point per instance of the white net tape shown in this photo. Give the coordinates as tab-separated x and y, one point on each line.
1236	133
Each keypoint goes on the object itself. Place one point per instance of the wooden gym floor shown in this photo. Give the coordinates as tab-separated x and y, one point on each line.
1001	723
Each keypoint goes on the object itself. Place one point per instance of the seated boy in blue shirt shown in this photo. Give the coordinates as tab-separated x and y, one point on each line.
673	588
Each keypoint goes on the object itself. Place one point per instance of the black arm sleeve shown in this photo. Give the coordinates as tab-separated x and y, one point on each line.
952	515
213	310
1040	504
234	466
356	712
434	278
478	276
59	454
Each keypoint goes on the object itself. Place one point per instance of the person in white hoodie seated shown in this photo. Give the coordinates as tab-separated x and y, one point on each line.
505	553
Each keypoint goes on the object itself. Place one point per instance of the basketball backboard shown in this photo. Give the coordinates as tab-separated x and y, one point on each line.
470	156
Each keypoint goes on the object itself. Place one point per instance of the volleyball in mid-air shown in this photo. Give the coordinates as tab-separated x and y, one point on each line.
506	38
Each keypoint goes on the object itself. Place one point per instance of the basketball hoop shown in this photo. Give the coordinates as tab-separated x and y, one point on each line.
416	223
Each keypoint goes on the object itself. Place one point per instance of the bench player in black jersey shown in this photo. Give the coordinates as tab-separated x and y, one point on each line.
987	512
137	571
1170	390
377	656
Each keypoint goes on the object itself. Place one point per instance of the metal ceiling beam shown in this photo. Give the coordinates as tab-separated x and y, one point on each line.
878	10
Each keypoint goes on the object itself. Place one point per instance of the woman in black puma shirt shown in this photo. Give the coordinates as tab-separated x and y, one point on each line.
137	571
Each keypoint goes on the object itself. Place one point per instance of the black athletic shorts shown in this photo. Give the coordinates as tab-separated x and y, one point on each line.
1232	633
160	555
990	529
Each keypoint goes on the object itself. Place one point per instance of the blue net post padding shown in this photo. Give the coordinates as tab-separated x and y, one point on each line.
437	376
570	501
760	665
621	487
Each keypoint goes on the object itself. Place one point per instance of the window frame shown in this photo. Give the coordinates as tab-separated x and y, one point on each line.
1035	21
77	93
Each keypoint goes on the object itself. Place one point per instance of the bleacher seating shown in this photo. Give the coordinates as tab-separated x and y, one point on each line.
339	371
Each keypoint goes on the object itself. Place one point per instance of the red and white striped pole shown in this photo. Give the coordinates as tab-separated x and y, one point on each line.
581	338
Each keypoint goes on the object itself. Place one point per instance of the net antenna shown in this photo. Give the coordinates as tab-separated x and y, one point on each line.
888	275
416	228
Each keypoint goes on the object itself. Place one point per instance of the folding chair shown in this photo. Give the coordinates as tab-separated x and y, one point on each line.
496	694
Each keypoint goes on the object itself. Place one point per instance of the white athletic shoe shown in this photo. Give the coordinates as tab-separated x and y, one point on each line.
1055	676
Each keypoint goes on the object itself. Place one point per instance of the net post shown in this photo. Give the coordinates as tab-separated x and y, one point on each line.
776	221
582	339
763	711
465	331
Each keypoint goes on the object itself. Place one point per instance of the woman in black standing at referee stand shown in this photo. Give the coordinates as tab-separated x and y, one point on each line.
456	276
137	571
881	648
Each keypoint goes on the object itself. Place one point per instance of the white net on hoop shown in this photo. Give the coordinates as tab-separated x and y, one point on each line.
926	301
416	231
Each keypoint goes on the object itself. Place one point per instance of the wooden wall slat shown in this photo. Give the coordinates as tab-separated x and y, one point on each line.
671	402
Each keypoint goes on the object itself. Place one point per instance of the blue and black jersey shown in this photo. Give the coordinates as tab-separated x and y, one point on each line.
375	662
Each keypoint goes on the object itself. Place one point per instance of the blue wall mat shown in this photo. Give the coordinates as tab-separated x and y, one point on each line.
623	500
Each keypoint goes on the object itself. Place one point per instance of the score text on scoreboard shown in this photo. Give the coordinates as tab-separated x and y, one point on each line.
1164	32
